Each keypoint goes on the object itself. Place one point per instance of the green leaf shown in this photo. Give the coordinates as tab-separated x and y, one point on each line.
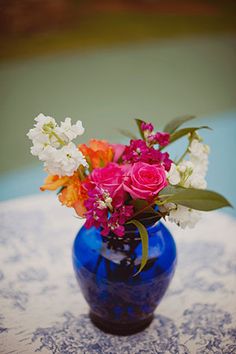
182	132
176	123
128	134
144	239
139	122
170	190
199	199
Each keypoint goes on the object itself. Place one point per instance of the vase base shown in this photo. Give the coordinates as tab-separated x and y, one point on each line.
120	329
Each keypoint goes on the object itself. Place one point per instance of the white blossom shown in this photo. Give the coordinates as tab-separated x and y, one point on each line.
70	131
193	171
198	154
39	144
48	153
173	175
167	207
53	145
41	120
64	161
196	180
198	149
185	165
40	134
184	217
200	165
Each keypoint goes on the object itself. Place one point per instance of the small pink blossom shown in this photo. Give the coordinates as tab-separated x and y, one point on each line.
144	181
166	161
109	221
125	213
96	216
115	223
136	151
118	151
114	227
147	127
139	151
163	139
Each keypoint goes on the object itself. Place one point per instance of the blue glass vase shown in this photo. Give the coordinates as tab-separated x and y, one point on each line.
121	302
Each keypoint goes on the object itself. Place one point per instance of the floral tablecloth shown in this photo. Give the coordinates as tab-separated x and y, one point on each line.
42	309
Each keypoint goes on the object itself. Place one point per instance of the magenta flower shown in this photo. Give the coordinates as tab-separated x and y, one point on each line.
100	216
125	213
161	158
135	151
115	223
95	217
112	226
139	151
162	139
166	161
147	127
97	205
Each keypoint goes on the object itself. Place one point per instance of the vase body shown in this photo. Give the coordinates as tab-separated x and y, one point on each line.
120	300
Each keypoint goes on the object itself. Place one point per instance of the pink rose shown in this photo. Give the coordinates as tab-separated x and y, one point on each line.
110	178
144	181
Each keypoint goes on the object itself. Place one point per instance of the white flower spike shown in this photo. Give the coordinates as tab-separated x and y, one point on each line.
53	145
184	217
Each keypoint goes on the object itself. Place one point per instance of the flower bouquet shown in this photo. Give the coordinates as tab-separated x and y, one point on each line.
122	191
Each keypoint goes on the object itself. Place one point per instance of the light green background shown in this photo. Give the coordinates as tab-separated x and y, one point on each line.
109	87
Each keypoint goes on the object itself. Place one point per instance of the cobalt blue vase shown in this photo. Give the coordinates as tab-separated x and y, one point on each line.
121	302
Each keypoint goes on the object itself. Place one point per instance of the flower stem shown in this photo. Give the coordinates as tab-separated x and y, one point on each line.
142	210
81	173
187	149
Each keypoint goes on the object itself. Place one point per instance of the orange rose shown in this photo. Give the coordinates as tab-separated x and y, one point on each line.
98	153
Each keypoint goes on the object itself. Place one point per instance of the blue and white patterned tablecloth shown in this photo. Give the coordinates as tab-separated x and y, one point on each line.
42	309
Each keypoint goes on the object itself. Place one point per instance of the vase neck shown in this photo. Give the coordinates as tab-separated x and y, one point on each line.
132	232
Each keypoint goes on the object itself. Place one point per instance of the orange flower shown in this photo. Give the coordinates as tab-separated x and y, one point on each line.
72	193
80	208
52	183
98	153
